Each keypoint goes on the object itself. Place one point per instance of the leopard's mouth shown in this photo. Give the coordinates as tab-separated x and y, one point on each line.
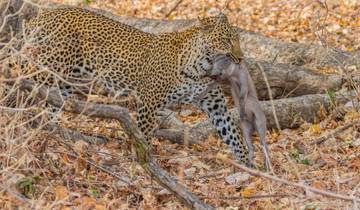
234	58
216	77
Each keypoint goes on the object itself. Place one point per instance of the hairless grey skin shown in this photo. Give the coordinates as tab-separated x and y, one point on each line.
245	97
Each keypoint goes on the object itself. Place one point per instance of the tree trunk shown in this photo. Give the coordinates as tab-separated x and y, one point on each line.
290	112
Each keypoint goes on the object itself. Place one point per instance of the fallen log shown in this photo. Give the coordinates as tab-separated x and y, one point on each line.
285	79
288	81
291	113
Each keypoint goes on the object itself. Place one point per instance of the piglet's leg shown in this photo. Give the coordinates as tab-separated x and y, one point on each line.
248	129
240	86
260	124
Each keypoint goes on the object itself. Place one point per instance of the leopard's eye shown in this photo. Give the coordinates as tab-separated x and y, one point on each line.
226	41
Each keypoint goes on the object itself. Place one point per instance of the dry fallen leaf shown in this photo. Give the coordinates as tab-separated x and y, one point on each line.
318	185
237	178
352	115
80	146
80	165
61	192
329	160
354	163
88	203
201	165
247	192
315	129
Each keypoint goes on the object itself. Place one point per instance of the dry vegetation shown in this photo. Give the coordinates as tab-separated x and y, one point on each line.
43	171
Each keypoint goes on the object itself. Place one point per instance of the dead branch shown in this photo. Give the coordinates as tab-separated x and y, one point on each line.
291	113
54	129
13	13
173	8
276	120
284	181
288	81
177	135
248	197
335	133
141	147
73	135
102	168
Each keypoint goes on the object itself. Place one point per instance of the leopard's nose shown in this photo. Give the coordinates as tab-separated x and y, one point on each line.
236	53
215	77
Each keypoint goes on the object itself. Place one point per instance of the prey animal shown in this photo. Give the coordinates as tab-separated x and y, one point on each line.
243	91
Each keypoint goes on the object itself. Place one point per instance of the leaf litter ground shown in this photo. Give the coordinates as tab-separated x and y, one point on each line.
51	172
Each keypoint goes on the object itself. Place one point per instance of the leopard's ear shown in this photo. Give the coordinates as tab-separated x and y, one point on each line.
222	17
205	25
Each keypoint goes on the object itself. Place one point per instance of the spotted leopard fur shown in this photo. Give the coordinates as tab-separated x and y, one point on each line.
82	46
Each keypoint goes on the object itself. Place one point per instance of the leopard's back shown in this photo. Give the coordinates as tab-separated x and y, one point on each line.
80	44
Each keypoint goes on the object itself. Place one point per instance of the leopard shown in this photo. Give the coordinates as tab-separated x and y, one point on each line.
78	46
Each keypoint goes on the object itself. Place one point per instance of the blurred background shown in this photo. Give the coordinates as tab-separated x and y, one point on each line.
336	23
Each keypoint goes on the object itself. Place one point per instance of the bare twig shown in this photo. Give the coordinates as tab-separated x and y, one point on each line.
334	133
287	182
173	8
179	135
102	168
5	19
270	96
248	197
73	135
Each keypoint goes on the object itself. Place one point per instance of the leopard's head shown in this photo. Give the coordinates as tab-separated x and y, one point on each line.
219	37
